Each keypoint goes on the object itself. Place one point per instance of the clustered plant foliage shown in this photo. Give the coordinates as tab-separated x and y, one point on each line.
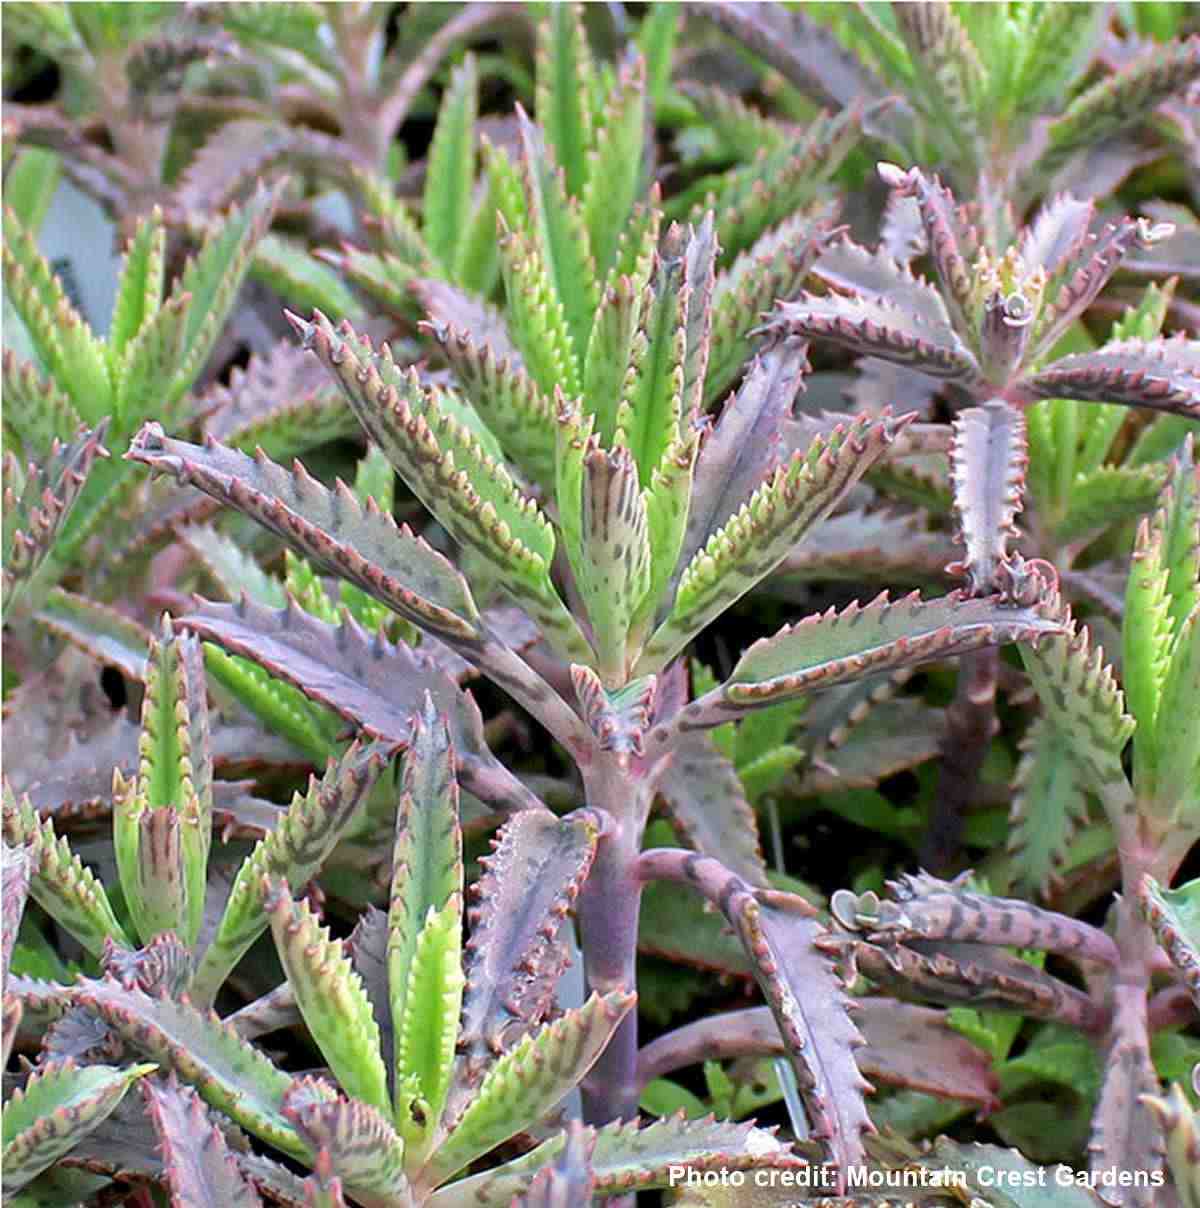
727	429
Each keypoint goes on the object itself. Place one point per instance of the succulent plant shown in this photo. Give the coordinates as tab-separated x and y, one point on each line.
580	562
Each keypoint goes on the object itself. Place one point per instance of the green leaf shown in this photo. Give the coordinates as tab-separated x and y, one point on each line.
30	182
281	707
60	883
557	228
175	774
614	168
140	286
529	1080
75	358
293	850
1080	698
1179	519
213	277
756	539
427	1030
1177	731
151	358
670	350
535	312
424	923
757	196
564	85
59	1105
505	397
450	167
1147	634
301	280
38	412
1048	807
330	996
1106	497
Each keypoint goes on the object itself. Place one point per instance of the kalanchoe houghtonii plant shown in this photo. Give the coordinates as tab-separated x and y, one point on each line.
162	832
659	533
1004	96
988	323
940	940
60	1102
984	332
59	377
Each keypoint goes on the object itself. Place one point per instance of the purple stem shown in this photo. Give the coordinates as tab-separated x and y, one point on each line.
751	1032
608	909
970	725
1173	1007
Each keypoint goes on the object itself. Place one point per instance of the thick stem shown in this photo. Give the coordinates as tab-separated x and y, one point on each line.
970	725
608	923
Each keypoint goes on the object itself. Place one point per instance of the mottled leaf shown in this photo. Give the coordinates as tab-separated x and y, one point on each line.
827	648
529	1080
330	527
59	1105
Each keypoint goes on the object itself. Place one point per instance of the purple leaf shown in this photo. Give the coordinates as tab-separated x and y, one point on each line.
745	447
446	306
1125	1133
807	55
514	958
849	268
876	327
200	1169
915	1047
988	460
363	677
569	1181
1084	273
1056	234
330	527
880	546
952	242
708	807
1163	375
